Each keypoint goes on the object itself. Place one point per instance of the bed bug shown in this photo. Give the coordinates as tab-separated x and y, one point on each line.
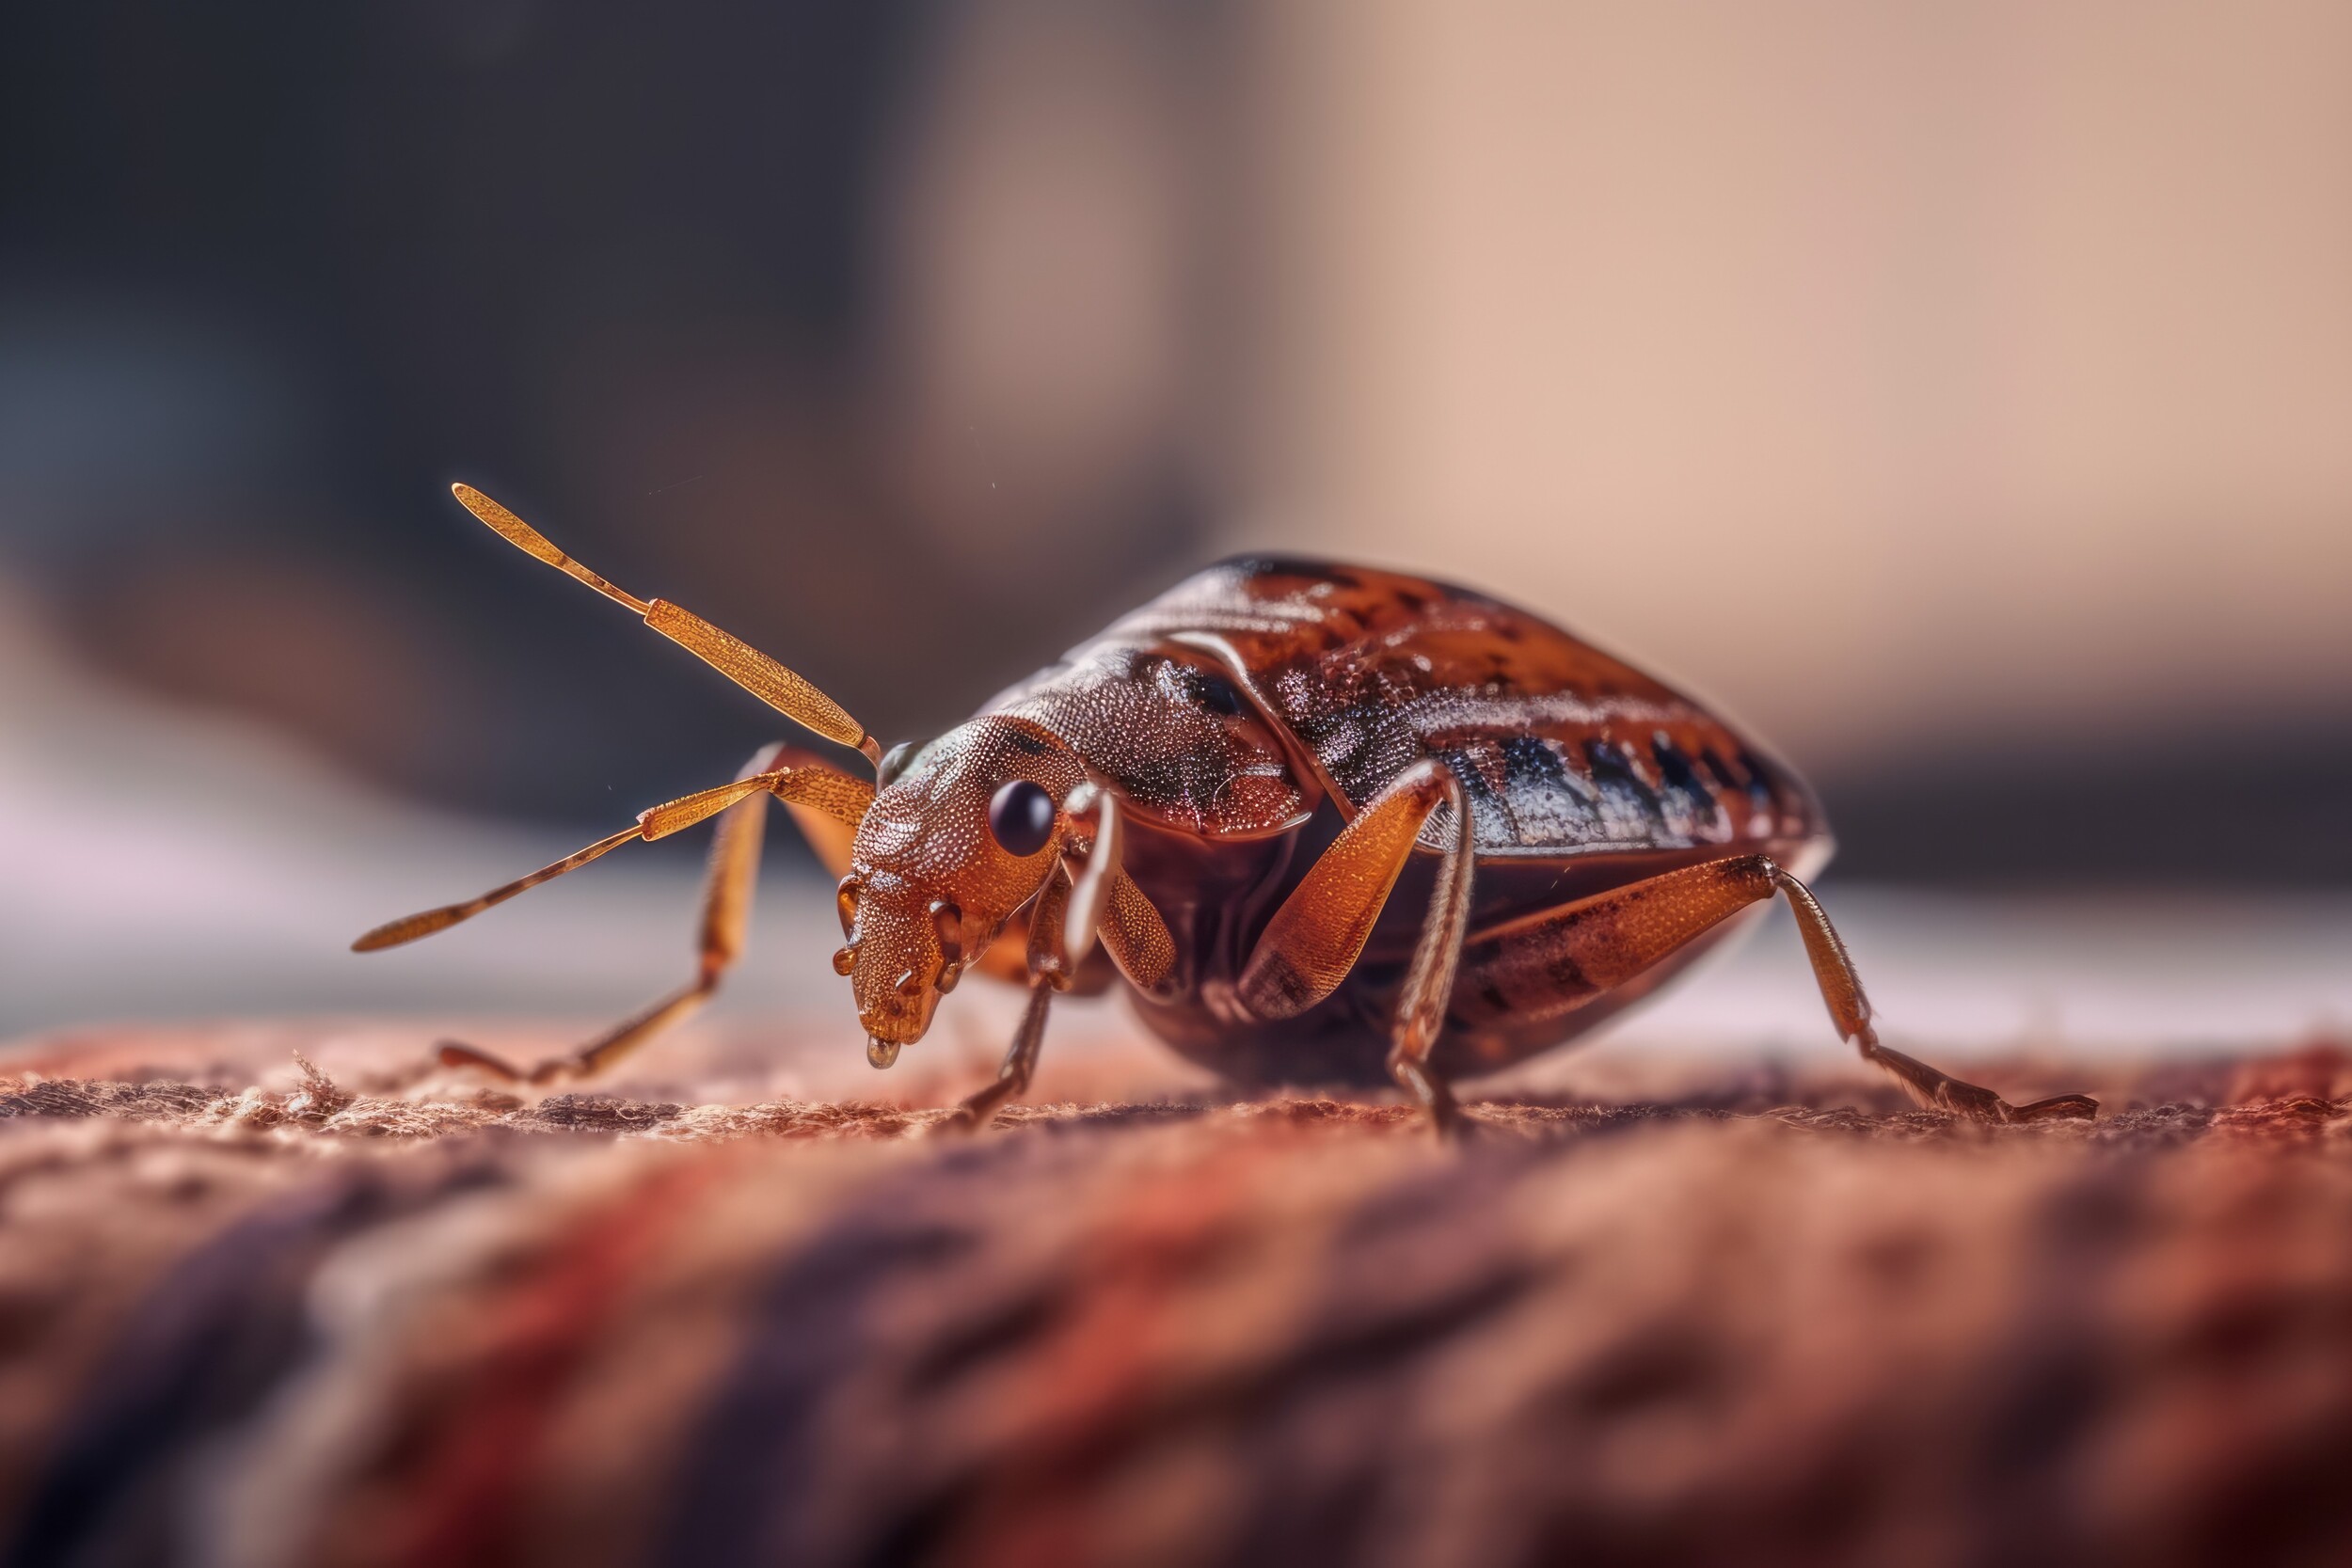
1330	824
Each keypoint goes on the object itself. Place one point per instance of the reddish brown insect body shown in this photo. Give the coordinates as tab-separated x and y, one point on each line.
1249	711
1332	824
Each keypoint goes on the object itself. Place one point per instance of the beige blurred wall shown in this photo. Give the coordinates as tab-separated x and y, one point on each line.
1875	367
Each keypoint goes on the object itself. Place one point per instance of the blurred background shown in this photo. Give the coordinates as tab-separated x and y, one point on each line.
1960	394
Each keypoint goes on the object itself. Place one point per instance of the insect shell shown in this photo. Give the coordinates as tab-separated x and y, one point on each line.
1242	718
1331	823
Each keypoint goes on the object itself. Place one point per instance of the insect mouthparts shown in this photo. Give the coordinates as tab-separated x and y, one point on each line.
880	1053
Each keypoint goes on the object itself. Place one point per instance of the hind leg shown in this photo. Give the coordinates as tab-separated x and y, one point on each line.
1542	965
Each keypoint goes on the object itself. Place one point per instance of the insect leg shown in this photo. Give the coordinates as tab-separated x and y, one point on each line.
977	1109
828	832
1049	972
1542	965
1842	988
1429	983
728	886
1085	895
1136	936
811	787
1316	936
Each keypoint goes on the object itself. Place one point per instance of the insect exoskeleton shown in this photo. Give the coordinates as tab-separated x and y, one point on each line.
1327	823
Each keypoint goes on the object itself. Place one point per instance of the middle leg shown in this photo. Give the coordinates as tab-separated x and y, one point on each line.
1315	937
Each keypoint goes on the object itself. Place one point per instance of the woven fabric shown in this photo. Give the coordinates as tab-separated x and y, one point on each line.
261	1327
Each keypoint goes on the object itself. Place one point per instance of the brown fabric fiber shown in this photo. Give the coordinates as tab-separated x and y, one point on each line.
310	1324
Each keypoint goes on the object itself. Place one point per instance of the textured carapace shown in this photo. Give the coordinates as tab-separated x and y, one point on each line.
1560	747
1245	714
1172	731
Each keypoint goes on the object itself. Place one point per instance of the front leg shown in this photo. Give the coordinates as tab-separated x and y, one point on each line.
1315	937
826	801
1062	926
978	1109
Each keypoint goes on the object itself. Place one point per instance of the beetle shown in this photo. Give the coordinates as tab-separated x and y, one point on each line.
1331	823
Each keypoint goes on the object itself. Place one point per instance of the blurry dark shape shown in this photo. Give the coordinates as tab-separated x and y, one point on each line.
904	337
621	267
2215	805
122	415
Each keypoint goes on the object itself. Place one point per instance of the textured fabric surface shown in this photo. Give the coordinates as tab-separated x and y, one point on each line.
309	1323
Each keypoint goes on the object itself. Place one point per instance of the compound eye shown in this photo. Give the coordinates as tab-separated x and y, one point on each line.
895	762
1020	818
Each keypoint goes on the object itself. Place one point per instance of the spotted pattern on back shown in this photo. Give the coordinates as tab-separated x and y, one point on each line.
1561	748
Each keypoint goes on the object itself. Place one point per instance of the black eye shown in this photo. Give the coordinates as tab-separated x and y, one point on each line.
1218	694
1022	817
895	762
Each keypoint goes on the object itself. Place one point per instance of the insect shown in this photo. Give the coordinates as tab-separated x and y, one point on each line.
1331	823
